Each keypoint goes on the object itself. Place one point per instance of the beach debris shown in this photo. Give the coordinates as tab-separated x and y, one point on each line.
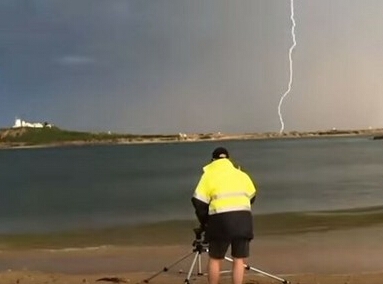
114	279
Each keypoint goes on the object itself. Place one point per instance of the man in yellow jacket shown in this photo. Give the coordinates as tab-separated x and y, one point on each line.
222	202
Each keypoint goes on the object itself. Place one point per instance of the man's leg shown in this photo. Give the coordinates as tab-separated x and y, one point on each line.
238	270
239	251
214	270
217	251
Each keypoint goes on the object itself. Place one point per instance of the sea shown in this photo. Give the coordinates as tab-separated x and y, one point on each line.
90	196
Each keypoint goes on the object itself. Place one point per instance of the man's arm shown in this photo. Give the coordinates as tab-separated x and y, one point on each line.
201	211
251	189
201	200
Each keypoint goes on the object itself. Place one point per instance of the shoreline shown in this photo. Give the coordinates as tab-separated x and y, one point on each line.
317	254
351	256
180	231
374	134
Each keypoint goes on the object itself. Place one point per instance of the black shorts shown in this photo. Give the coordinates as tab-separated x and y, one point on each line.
239	248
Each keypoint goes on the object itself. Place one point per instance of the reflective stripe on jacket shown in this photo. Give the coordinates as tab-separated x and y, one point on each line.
225	188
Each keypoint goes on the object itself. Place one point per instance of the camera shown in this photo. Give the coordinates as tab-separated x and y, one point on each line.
198	232
200	243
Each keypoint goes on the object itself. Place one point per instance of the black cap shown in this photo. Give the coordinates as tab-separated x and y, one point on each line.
220	153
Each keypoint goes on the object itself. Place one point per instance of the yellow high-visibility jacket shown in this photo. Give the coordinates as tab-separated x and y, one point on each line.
223	198
225	188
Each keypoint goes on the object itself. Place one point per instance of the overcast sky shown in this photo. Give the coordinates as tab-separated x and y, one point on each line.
169	66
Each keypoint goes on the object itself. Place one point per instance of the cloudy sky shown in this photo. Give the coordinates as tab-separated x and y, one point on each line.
169	66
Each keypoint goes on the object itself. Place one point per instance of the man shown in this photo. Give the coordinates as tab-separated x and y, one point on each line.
222	202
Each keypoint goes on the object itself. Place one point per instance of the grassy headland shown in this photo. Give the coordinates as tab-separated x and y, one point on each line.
24	137
34	137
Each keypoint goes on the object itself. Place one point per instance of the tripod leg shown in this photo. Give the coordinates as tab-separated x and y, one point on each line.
197	255
248	267
168	267
199	266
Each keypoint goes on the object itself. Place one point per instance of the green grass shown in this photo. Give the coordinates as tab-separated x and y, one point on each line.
37	136
52	135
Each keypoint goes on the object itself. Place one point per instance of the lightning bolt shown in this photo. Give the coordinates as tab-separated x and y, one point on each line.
291	66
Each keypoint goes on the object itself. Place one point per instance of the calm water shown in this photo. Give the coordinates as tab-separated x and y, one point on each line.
56	189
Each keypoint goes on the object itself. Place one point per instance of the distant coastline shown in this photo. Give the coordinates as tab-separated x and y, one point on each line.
22	138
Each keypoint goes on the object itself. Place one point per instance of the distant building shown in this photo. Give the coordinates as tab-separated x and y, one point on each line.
22	123
182	136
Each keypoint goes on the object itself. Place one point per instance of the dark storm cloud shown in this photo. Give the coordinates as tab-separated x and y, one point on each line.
170	66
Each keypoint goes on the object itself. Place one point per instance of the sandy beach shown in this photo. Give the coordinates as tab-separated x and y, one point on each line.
351	256
340	246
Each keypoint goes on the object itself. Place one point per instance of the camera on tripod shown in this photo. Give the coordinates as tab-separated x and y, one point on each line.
200	244
199	233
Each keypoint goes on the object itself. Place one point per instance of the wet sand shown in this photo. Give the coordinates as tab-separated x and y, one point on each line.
351	256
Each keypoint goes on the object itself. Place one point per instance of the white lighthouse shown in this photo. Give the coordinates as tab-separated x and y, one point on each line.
18	123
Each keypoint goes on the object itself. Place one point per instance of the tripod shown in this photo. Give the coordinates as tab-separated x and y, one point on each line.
200	246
